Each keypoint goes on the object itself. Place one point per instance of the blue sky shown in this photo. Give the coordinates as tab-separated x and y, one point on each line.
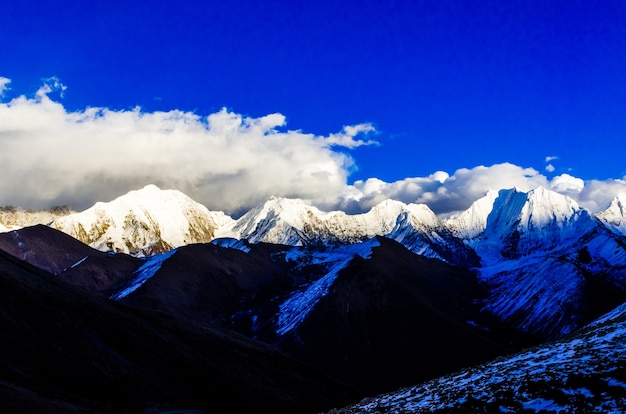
447	85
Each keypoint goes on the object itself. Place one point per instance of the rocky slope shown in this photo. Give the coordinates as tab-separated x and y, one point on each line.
584	372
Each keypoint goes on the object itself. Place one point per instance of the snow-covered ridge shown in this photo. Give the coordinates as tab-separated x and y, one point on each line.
471	223
15	218
295	222
150	220
145	221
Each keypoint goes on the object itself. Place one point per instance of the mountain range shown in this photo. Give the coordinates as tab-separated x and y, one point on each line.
534	250
376	301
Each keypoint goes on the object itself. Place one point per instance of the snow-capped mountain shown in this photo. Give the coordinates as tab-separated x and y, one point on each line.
145	221
523	223
471	223
294	222
543	257
614	217
14	218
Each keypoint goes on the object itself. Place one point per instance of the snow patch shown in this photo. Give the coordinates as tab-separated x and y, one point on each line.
79	262
295	309
145	272
231	243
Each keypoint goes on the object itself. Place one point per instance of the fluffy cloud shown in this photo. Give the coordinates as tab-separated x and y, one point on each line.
447	194
550	168
3	84
224	160
568	185
442	192
596	195
551	158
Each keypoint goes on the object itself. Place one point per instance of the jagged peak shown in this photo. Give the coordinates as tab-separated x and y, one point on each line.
470	223
615	215
617	205
285	202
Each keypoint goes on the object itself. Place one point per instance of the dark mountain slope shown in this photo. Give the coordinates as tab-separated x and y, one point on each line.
582	373
394	319
86	354
69	259
207	284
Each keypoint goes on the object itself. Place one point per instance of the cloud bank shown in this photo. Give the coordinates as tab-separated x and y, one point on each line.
447	194
224	160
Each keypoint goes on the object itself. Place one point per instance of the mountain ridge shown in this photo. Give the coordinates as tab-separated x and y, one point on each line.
151	220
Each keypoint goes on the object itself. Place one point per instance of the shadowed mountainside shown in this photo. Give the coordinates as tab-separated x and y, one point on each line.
71	351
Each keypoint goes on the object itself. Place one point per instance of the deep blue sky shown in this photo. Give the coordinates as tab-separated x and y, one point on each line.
448	84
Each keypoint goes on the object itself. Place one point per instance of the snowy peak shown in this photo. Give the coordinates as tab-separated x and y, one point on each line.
537	209
472	222
538	252
145	221
278	220
546	208
294	222
521	223
503	210
614	217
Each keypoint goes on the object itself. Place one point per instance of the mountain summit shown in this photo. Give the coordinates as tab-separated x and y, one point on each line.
144	222
614	217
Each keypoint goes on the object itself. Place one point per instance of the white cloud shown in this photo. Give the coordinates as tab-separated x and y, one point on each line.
446	194
442	192
224	160
346	137
52	84
551	158
567	184
550	168
597	194
3	84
